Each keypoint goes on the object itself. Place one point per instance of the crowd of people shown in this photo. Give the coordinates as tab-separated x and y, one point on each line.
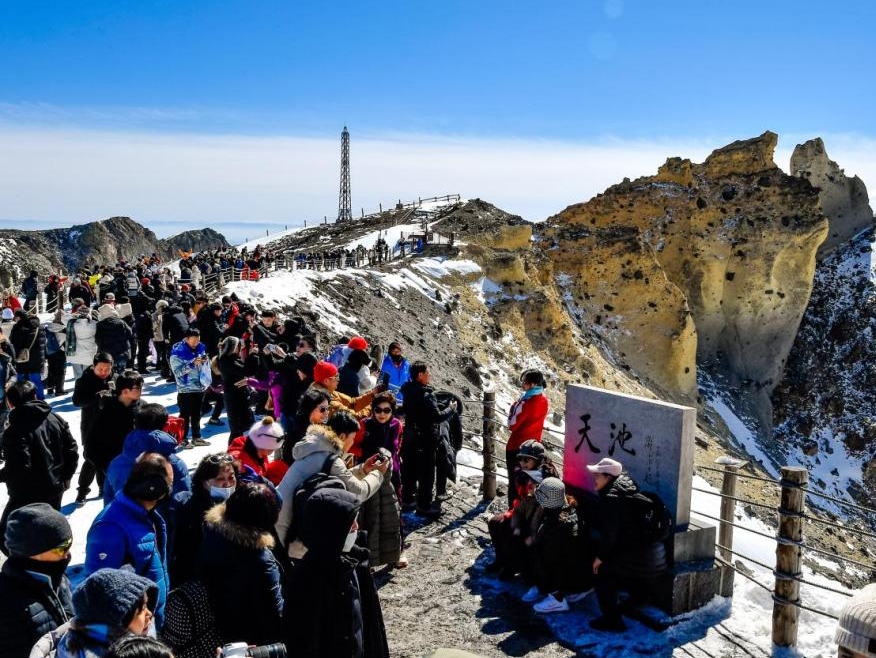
273	539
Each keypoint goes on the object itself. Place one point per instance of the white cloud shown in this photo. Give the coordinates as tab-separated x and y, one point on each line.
241	184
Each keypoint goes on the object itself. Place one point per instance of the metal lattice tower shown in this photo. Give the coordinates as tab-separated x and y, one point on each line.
345	209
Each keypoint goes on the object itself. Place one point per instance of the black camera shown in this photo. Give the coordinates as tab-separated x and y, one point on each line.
242	650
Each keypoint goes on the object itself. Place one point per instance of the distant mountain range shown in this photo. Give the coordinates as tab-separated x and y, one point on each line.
96	243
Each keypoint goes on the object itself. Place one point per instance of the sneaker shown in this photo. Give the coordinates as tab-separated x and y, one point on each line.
402	562
578	596
532	594
215	421
200	442
550	604
608	624
186	445
80	502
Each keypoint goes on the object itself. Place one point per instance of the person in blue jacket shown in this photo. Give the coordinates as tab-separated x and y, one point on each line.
131	531
191	370
398	368
148	436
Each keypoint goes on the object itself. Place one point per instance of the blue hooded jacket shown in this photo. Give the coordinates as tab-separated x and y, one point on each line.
136	443
188	376
399	375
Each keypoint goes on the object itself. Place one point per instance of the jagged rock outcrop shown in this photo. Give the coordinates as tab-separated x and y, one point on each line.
479	222
198	240
843	200
100	243
706	263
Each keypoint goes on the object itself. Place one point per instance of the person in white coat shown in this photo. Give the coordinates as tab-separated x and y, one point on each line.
81	346
322	449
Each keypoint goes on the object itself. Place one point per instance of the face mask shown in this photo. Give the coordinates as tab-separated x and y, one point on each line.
53	570
396	358
349	542
220	493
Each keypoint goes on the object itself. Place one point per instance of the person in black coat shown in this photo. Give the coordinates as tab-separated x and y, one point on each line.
237	565
114	421
215	479
235	396
88	391
420	444
209	322
144	332
28	334
41	453
113	335
620	558
332	609
34	592
174	325
557	558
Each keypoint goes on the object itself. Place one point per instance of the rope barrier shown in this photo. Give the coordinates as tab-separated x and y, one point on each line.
741	475
834	499
738	500
797	604
815	519
735	525
782	575
739	571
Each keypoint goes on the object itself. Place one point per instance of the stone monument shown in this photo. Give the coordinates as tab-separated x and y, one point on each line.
654	441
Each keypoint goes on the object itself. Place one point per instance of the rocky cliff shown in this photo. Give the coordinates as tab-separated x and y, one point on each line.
103	242
842	199
702	264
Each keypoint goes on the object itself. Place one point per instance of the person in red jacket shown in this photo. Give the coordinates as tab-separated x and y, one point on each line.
256	447
526	421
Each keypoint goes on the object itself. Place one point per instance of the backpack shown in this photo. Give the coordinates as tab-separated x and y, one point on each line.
322	479
650	516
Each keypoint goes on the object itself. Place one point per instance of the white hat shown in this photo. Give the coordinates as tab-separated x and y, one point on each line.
7	314
856	629
606	466
266	434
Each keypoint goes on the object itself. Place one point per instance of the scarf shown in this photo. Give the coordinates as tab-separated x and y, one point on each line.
88	640
518	406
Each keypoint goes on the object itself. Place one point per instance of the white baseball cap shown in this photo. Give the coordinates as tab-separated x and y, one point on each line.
606	466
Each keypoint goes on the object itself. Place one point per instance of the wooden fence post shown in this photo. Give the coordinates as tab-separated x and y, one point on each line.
787	591
728	488
489	445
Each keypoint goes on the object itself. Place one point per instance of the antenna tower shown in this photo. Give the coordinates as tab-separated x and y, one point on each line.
345	210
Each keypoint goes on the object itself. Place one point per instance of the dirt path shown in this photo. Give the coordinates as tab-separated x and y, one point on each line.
444	599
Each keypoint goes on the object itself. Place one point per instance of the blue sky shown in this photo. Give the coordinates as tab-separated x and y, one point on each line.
635	75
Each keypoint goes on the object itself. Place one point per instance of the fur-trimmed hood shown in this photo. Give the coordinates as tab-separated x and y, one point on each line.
319	438
244	536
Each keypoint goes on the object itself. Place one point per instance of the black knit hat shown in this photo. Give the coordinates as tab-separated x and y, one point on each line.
305	363
111	596
35	529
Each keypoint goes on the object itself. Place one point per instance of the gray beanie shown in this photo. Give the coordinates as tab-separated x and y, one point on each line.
35	529
551	493
110	596
856	629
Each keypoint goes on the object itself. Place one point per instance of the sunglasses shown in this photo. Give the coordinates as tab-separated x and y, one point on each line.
322	409
220	458
62	549
383	410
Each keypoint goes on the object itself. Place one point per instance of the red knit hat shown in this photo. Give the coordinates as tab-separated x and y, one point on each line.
323	370
357	343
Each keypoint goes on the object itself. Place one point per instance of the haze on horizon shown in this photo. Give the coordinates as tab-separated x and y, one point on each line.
188	114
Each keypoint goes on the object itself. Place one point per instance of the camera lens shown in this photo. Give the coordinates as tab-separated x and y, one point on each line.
277	650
